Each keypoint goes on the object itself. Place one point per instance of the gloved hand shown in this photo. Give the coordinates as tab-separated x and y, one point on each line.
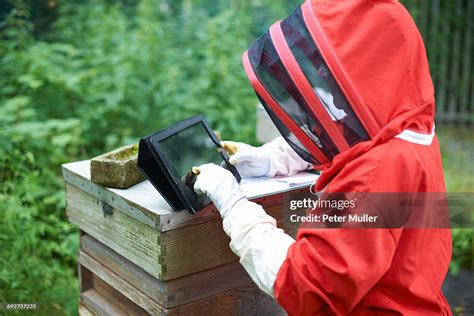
250	161
255	238
219	185
261	246
275	158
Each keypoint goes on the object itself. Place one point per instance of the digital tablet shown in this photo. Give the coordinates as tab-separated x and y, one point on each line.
167	157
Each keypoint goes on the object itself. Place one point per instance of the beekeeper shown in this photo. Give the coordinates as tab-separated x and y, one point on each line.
348	86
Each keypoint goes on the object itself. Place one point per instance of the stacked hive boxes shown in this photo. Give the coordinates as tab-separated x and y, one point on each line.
137	256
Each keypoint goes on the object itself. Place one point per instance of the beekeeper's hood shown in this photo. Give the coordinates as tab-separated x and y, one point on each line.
338	77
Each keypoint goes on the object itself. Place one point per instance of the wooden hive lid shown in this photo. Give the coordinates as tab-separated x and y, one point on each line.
145	204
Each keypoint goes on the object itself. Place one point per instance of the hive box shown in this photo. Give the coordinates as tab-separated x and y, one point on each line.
140	226
112	285
138	257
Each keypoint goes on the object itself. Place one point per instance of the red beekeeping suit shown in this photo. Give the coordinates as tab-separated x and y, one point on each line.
347	84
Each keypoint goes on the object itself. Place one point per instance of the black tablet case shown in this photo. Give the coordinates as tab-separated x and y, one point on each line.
153	163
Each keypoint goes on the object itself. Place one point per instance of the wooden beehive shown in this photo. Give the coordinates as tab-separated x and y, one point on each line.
137	251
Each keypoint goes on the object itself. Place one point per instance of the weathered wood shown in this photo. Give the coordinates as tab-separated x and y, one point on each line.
83	310
172	293
98	304
113	296
424	17
443	81
101	305
84	278
448	37
454	76
137	242
267	305
466	107
143	203
168	255
195	248
470	16
127	270
145	211
472	100
101	299
120	285
433	29
246	301
116	299
199	247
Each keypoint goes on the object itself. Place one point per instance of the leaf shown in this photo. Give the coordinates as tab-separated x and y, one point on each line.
30	81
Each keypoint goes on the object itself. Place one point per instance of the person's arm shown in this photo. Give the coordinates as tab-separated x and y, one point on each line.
275	158
255	238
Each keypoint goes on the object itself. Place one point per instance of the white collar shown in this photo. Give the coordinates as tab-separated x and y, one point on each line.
417	137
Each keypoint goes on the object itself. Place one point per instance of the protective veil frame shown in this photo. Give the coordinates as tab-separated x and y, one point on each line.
345	130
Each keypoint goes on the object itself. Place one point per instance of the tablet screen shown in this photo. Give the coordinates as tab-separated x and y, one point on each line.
167	157
190	147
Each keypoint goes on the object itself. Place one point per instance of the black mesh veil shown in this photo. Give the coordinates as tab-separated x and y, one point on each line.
273	76
322	81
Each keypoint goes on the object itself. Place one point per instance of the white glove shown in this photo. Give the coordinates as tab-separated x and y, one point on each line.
261	246
250	161
275	158
219	185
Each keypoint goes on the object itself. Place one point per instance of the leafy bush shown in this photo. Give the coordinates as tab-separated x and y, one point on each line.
125	76
456	148
38	245
104	74
463	250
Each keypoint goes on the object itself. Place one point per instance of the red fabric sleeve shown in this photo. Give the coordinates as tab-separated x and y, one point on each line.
322	274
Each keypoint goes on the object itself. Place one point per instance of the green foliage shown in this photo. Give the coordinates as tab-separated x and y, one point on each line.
126	76
458	157
38	245
463	250
103	75
457	150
